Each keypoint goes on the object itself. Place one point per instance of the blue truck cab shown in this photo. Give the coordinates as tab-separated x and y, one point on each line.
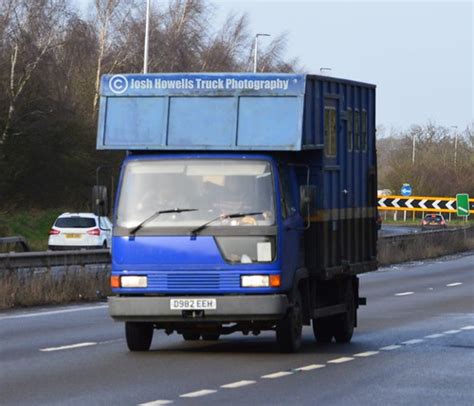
246	202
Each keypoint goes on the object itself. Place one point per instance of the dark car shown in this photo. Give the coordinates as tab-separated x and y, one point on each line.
433	221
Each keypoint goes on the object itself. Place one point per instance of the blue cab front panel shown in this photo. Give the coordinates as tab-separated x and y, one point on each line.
181	265
194	265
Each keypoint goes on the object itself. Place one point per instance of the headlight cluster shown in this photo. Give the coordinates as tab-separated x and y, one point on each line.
260	281
128	281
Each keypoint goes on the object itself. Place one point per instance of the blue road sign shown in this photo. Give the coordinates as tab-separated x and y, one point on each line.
406	190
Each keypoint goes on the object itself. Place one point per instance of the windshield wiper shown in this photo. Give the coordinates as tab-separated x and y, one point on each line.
155	215
222	217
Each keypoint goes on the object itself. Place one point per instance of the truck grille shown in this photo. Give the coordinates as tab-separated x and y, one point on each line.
190	281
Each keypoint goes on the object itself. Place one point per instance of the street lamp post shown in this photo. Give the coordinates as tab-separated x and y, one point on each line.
147	37
455	127
256	50
413	149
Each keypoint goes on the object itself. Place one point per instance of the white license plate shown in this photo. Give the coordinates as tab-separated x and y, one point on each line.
193	304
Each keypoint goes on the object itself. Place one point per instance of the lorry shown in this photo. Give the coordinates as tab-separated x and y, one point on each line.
246	203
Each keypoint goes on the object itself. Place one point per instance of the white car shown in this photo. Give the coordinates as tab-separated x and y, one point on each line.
80	230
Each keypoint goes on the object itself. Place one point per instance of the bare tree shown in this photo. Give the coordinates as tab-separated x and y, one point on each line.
225	49
111	15
33	31
433	172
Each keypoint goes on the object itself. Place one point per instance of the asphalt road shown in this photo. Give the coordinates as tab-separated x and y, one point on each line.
414	345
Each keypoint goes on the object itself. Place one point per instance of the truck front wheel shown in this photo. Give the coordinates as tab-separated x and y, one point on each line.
139	335
290	328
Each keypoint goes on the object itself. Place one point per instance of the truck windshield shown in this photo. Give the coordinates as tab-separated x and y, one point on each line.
213	187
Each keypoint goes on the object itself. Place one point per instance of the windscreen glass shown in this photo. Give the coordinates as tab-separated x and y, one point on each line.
214	188
75	222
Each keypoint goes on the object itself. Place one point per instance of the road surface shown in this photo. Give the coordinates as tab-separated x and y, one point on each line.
414	345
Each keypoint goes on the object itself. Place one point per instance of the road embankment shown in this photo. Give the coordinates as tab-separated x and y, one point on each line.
44	278
428	244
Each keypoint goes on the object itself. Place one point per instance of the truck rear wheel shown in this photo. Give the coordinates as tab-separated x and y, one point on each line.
191	336
323	330
139	335
344	323
210	337
290	328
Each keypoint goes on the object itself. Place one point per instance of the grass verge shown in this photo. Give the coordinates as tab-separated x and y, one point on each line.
34	225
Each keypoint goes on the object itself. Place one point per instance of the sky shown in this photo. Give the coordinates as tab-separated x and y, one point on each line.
419	54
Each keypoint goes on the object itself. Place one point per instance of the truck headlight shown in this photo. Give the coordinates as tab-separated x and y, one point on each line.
260	281
133	281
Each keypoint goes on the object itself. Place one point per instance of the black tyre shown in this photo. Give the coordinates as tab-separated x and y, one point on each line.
344	323
323	330
290	328
191	336
139	335
210	337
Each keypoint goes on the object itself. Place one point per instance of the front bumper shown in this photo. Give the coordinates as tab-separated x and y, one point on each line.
232	308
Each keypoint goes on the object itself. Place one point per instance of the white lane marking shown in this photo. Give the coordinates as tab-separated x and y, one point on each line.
111	341
277	375
434	336
309	367
340	360
366	354
238	384
467	328
198	393
67	347
449	285
451	332
404	293
390	347
156	403
39	314
414	341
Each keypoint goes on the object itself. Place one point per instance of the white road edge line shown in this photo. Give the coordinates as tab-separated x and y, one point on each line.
198	393
390	347
467	328
67	347
404	293
451	332
238	384
340	360
414	341
450	285
309	367
277	375
49	313
156	403
366	354
434	336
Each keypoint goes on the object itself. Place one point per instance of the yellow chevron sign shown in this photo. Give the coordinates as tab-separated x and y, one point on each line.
420	203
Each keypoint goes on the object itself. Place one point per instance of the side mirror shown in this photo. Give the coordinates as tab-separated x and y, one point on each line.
100	202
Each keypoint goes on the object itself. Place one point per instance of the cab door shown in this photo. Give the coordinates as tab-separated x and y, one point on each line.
292	225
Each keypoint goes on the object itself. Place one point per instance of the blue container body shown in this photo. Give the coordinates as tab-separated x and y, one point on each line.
299	123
